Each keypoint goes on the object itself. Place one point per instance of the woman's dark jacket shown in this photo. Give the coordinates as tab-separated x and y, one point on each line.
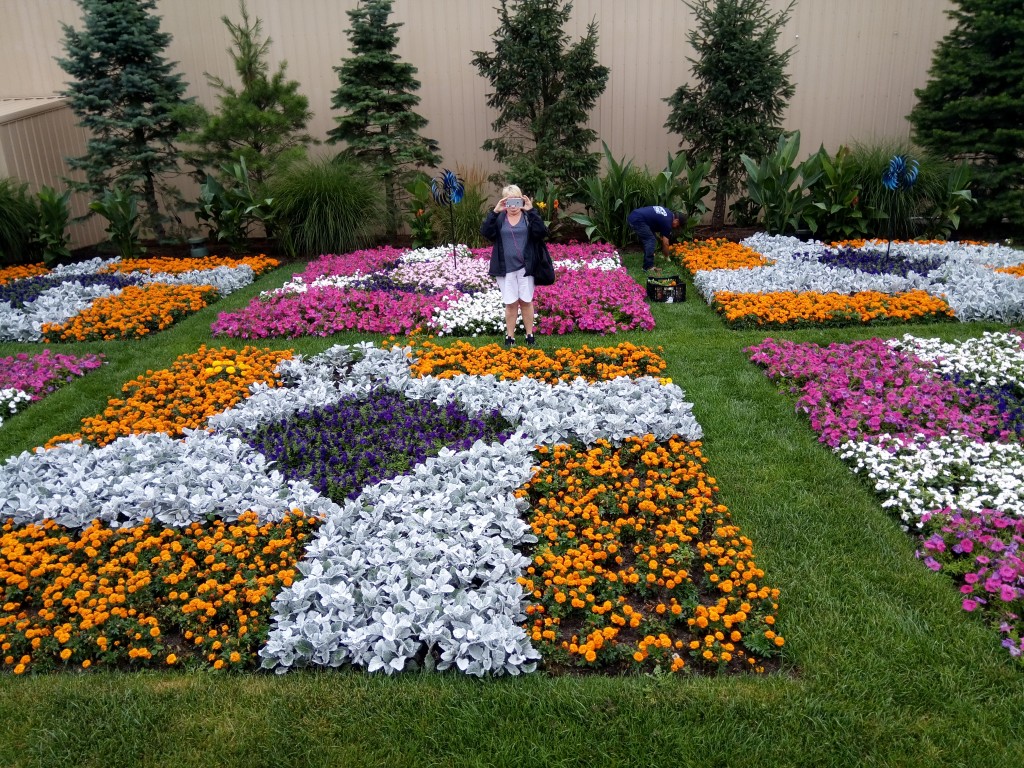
536	231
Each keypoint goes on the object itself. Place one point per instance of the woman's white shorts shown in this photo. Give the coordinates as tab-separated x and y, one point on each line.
516	286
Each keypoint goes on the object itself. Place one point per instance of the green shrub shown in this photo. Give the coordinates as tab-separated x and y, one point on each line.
232	209
50	231
17	219
609	199
781	188
327	206
836	196
432	224
901	215
121	210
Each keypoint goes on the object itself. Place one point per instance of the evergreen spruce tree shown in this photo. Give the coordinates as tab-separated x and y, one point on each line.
973	109
377	91
264	122
741	92
127	95
544	89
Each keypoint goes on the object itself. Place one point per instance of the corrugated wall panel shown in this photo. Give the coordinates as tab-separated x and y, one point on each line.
855	64
33	149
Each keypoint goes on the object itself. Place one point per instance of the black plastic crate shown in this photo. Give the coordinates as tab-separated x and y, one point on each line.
667	288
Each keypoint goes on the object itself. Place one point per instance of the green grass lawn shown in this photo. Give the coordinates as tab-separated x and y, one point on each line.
881	666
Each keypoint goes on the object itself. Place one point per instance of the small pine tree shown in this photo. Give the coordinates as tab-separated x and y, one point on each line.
127	95
264	122
742	89
377	91
973	108
544	90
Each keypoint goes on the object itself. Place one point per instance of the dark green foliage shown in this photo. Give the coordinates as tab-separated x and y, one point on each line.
972	108
119	206
434	224
264	122
377	92
232	209
610	198
907	213
780	186
327	206
543	90
741	93
17	218
126	94
50	231
836	196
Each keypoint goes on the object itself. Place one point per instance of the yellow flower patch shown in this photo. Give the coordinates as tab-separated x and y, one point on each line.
132	314
638	565
791	308
174	266
195	387
706	255
7	274
592	364
145	596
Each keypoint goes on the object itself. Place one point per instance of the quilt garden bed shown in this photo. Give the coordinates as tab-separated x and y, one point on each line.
107	299
444	291
781	282
937	429
389	508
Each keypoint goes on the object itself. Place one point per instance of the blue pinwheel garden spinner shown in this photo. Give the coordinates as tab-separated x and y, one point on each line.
898	177
448	189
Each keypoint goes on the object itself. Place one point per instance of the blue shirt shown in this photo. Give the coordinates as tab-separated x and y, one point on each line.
656	217
513	242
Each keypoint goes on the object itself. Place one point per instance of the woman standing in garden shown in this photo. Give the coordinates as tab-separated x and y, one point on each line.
518	233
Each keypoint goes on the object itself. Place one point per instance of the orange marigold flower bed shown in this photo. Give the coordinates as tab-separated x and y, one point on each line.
791	308
638	566
564	364
7	274
132	314
1017	271
174	266
184	396
706	255
145	596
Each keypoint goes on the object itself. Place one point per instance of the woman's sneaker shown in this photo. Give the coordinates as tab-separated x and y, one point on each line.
530	341
509	342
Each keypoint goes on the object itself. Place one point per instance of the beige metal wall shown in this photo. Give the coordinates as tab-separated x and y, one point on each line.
35	137
855	64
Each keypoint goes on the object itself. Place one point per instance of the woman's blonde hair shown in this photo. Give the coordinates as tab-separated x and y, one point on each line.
511	191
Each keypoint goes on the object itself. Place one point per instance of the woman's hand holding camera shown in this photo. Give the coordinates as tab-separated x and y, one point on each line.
509	204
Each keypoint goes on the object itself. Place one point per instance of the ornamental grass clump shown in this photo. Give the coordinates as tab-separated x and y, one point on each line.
144	596
637	566
792	309
134	313
564	364
361	441
195	387
982	552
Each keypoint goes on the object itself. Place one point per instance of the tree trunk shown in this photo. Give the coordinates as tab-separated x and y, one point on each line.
721	194
153	207
392	205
